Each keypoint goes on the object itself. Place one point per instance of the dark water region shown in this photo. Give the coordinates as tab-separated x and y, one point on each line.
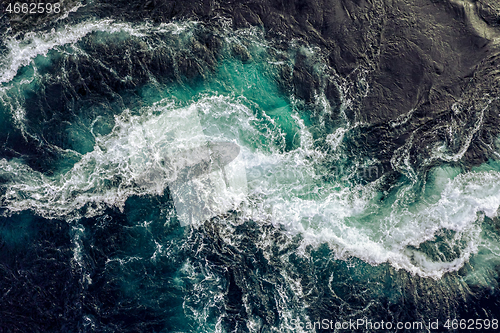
366	184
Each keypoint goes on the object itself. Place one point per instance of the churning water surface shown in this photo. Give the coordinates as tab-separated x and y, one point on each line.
101	119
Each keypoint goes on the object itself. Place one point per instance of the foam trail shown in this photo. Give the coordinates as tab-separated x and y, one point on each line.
116	168
287	190
397	236
284	188
21	52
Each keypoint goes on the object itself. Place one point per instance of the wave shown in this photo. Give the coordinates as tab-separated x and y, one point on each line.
22	51
282	175
134	159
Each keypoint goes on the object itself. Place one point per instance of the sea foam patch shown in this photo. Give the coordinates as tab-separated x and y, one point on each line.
164	148
206	178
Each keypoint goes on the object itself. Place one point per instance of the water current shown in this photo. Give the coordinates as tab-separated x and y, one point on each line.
110	194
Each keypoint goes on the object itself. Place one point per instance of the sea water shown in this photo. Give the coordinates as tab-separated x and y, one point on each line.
293	224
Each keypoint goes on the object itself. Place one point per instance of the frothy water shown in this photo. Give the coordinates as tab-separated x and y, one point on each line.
21	52
282	175
285	188
142	155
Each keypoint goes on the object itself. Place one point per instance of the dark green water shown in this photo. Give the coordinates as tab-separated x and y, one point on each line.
97	234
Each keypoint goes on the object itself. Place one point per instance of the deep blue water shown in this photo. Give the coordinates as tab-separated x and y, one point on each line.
120	211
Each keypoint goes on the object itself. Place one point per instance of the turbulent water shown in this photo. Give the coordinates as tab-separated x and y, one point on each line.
100	233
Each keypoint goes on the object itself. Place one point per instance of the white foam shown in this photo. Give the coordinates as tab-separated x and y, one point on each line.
22	51
396	237
286	189
115	170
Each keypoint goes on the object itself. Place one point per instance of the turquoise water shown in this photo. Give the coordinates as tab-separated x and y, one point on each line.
296	224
